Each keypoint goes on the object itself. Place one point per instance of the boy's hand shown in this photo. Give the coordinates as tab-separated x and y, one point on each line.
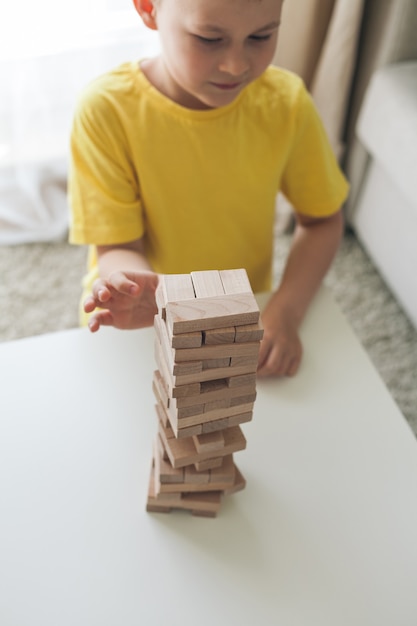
314	245
281	350
125	300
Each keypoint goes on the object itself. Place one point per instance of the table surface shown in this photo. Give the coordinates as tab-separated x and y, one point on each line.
323	535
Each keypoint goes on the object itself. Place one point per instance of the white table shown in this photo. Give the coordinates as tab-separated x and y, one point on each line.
323	535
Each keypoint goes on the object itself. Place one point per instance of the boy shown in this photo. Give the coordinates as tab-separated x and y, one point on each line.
177	160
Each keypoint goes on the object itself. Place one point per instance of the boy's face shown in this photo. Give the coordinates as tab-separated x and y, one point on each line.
212	49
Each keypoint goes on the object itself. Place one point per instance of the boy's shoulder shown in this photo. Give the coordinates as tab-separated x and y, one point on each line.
116	85
279	86
280	76
278	97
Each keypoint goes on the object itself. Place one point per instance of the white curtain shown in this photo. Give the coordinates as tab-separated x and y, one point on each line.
48	51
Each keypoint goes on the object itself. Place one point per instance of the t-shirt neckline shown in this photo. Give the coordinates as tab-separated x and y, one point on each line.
169	105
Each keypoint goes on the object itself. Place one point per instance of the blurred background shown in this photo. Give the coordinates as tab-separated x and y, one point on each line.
48	52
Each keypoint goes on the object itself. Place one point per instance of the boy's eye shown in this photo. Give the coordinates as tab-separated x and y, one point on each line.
217	40
260	37
208	40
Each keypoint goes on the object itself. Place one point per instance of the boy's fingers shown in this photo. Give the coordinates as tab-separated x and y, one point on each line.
143	279
293	367
132	283
275	363
89	304
120	282
100	291
264	360
264	350
103	318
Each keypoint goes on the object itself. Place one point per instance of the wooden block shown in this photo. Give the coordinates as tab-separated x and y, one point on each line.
226	423
159	399
162	365
205	504
159	394
235	281
188	367
218	391
246	399
207	284
161	446
192	501
208	313
214	373
241	380
210	364
160	301
193	477
183	416
209	442
187	340
186	430
249	332
209	390
164	472
220	351
167	497
173	288
162	414
220	478
242	418
187	388
212	386
219	335
210	416
182	428
161	361
194	487
241	361
216	425
224	403
160	384
209	464
168	353
224	473
152	505
238	485
182	452
202	503
188	411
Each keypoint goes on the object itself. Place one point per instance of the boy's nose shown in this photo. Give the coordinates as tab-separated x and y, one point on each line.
234	62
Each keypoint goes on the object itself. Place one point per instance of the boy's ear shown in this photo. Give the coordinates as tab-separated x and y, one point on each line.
146	10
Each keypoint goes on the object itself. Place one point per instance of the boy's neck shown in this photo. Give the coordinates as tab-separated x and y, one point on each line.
155	72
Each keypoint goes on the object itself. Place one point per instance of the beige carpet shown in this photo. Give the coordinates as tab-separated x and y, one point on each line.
40	287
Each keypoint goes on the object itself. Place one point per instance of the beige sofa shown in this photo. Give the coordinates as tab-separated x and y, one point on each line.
389	35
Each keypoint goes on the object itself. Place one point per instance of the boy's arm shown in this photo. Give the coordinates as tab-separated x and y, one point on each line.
313	248
124	295
129	256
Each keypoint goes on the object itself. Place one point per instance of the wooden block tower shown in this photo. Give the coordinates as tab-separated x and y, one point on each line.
207	337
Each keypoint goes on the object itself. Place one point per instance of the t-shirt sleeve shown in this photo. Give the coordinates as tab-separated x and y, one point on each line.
312	179
103	188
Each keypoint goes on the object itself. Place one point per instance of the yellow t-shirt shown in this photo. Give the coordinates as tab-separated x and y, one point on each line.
199	185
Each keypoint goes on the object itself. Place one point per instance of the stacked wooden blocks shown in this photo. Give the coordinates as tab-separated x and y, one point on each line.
207	337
